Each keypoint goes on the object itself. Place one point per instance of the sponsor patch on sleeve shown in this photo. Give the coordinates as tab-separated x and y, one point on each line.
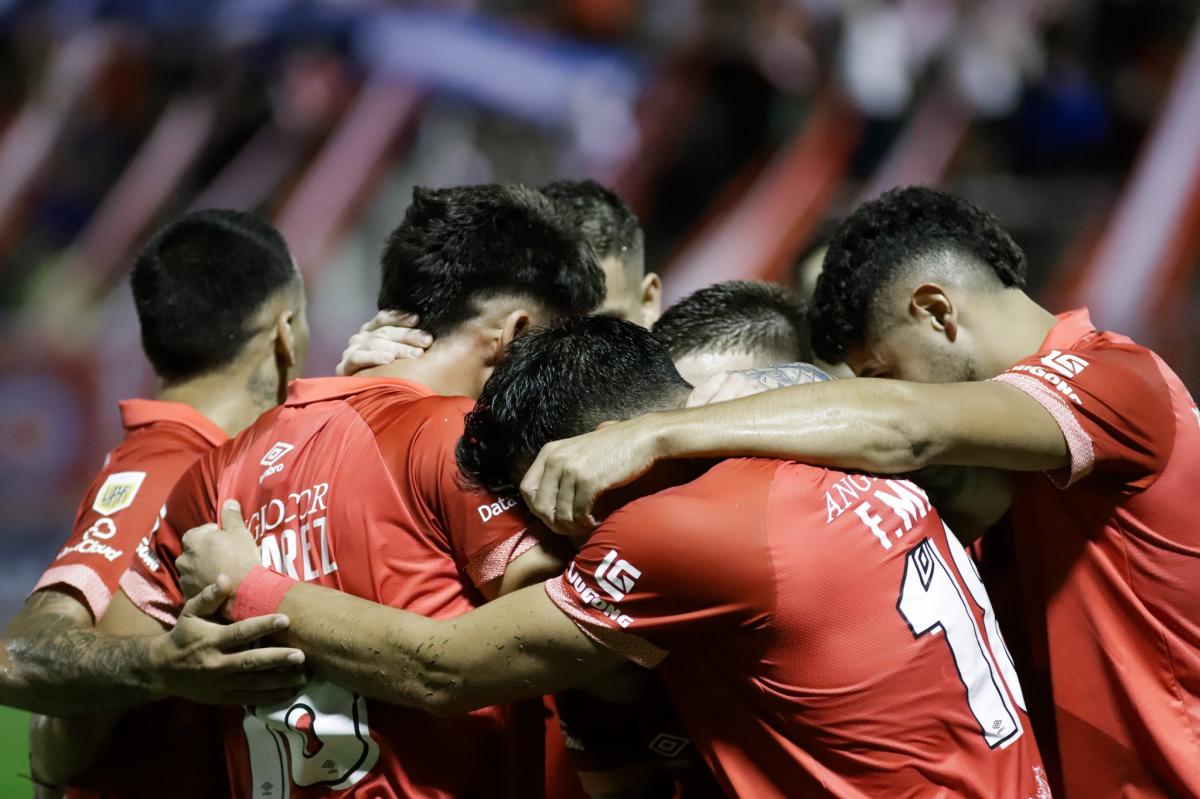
118	492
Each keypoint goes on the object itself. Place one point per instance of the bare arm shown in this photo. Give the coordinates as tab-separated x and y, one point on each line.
53	661
882	426
516	647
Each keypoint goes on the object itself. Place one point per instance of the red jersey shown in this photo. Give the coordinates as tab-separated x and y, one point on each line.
353	484
171	741
1108	555
820	632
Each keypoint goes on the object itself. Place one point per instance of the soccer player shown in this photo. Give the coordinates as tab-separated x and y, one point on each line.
924	288
354	485
809	651
600	218
734	326
609	226
221	308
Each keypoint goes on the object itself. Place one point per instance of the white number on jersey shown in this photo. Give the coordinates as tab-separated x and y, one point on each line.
319	737
931	601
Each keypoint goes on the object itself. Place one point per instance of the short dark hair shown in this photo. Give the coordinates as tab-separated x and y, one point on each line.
559	381
606	222
197	284
459	244
882	238
737	316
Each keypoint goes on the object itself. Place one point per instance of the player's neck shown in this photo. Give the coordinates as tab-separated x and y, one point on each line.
231	399
450	368
1020	325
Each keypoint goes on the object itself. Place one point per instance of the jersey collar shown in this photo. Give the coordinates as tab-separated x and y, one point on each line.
1069	329
143	412
319	389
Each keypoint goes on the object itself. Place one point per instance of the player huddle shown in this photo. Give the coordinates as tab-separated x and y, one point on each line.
724	573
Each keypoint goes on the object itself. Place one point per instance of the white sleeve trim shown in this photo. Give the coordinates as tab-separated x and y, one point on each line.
1079	444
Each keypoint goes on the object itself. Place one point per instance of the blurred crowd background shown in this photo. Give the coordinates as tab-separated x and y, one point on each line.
738	130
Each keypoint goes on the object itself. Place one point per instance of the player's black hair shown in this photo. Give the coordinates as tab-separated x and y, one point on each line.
560	381
461	244
606	222
904	229
737	316
197	284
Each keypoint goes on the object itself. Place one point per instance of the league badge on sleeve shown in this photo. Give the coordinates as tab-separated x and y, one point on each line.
118	492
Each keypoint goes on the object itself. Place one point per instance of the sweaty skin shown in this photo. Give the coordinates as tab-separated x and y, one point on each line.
881	426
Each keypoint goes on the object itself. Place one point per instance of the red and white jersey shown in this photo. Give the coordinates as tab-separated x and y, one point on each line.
1108	555
170	742
820	632
353	484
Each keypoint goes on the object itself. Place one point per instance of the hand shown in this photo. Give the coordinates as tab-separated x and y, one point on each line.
725	386
564	481
386	337
210	550
214	663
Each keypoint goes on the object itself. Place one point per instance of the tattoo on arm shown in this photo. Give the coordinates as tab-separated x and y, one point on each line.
54	662
787	374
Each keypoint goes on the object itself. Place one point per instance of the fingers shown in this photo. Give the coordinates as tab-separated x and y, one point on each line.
581	509
532	480
385	338
209	601
563	508
250	630
356	360
274	660
231	516
389	319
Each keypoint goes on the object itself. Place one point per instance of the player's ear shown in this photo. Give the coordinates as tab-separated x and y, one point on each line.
512	326
651	299
932	306
285	338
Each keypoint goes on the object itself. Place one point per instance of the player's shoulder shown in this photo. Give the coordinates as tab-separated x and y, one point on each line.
153	454
730	492
167	440
396	405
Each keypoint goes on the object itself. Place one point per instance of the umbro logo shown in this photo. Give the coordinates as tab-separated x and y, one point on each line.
272	458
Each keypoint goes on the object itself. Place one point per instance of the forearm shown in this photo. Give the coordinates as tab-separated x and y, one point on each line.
51	663
882	426
372	649
852	424
503	651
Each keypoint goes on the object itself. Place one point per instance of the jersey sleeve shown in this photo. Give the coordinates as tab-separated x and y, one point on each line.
1111	404
118	512
669	568
152	581
486	531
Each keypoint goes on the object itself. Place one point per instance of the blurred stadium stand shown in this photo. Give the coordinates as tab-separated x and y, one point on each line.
736	130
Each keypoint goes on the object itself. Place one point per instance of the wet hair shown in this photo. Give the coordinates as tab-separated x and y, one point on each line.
559	381
458	245
199	282
905	231
606	222
737	316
